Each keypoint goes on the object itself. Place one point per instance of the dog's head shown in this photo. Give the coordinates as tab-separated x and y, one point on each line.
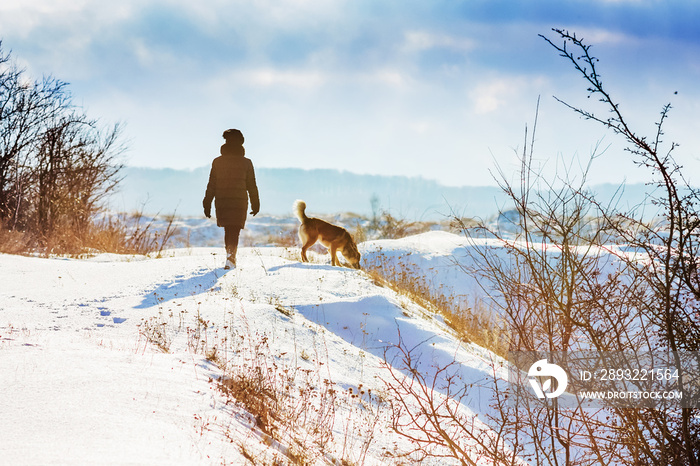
352	255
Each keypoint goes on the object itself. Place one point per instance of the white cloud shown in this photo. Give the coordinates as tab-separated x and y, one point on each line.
42	6
309	78
24	17
392	77
606	37
424	40
270	77
260	16
420	127
493	95
295	79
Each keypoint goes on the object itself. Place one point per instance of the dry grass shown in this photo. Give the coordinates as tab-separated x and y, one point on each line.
300	414
120	234
129	234
291	405
156	331
15	242
472	322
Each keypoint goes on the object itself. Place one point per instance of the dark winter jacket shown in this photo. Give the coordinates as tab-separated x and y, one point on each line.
231	181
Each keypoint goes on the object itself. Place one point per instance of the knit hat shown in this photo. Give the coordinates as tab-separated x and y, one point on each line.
233	136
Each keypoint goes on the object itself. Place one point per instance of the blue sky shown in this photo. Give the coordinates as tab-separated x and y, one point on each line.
441	89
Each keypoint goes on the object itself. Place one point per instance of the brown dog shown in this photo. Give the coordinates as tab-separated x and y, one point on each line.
331	236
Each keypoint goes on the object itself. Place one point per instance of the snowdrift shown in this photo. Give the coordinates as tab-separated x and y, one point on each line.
116	359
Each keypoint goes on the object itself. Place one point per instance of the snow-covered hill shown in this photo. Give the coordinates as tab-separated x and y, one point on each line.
116	359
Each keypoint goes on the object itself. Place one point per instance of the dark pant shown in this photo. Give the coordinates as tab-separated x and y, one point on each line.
231	235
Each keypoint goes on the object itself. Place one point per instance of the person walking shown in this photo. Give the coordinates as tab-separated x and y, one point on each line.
231	183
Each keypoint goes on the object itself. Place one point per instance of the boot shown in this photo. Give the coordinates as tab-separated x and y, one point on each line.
230	263
231	259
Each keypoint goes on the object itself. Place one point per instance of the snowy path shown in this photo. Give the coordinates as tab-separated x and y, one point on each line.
79	384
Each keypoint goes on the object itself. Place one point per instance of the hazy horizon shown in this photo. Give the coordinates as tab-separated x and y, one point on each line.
327	192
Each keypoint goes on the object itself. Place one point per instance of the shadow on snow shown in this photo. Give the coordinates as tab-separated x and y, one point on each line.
378	325
201	282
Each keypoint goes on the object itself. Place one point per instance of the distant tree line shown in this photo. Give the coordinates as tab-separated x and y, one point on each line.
56	164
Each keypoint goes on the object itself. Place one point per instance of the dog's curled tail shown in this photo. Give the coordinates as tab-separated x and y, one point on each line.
299	210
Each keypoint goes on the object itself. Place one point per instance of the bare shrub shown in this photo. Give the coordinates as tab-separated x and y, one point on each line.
669	278
56	164
572	273
562	288
428	411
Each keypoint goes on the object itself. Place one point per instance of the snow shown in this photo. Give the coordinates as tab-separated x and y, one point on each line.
439	256
103	360
68	400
